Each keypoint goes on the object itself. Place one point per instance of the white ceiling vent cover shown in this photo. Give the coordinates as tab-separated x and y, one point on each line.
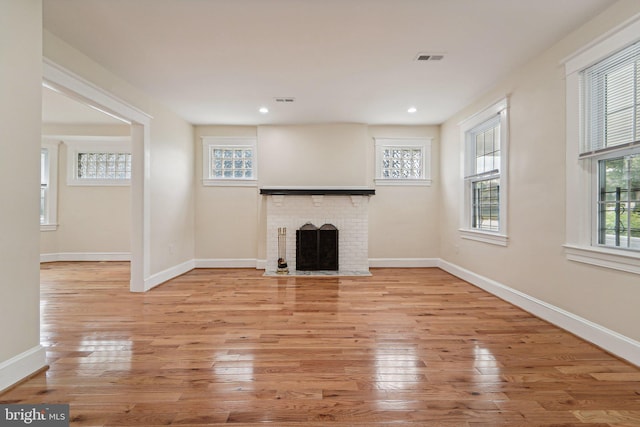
423	57
286	100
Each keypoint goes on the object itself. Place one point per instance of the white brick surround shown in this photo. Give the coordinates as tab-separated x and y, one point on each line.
349	214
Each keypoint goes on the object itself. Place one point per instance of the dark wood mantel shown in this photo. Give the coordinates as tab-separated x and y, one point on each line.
317	191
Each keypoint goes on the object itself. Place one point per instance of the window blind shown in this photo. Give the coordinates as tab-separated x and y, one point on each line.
610	103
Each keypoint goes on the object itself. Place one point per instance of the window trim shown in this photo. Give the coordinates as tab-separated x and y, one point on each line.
102	144
211	142
51	204
581	185
412	143
499	237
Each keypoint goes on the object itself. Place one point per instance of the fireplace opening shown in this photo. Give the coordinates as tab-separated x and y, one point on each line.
317	248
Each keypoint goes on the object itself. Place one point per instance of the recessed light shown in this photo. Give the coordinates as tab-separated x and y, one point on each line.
263	110
412	110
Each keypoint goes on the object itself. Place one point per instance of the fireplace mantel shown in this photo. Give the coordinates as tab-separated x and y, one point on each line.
311	191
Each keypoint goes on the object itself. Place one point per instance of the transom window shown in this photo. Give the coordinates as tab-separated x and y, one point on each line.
99	166
100	161
229	161
403	161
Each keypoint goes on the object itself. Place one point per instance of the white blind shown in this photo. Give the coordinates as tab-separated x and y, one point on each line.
611	102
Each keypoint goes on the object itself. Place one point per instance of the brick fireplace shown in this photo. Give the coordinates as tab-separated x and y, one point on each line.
347	209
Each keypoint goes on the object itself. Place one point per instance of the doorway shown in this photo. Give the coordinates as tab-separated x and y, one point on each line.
64	82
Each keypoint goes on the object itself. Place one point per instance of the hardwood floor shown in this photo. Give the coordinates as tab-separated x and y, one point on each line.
405	346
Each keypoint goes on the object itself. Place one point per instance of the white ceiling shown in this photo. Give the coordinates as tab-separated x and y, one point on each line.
218	61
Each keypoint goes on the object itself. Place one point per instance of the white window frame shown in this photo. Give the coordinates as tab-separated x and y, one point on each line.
424	144
467	127
209	143
78	145
50	222
581	174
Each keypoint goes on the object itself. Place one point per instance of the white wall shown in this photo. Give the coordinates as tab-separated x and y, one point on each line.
93	220
404	221
534	261
226	217
20	117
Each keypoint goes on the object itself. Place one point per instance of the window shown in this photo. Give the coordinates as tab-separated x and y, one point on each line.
229	161
48	185
99	161
611	124
603	152
484	144
403	161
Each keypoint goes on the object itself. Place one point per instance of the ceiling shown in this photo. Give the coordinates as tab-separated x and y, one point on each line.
219	61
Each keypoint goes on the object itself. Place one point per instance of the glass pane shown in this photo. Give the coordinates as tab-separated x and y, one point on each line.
396	154
248	154
619	202
386	163
227	154
238	174
217	153
386	154
228	174
228	164
486	205
248	174
238	164
238	154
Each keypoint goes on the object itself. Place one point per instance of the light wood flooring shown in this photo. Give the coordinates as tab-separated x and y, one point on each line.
402	347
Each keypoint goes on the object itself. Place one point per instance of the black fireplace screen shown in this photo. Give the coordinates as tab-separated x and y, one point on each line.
317	248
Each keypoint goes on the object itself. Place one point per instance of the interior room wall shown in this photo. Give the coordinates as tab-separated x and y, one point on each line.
403	220
534	262
226	217
20	118
92	219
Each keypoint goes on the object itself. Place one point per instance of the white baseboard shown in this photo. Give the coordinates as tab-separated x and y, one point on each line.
86	256
168	274
21	366
609	340
227	263
261	264
404	262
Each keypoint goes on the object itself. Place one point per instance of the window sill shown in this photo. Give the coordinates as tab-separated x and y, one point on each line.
99	183
485	237
603	257
403	182
48	227
230	182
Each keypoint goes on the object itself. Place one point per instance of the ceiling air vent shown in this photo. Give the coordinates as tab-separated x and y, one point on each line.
286	100
421	57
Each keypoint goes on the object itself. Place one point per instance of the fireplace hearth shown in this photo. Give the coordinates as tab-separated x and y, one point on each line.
317	248
343	208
